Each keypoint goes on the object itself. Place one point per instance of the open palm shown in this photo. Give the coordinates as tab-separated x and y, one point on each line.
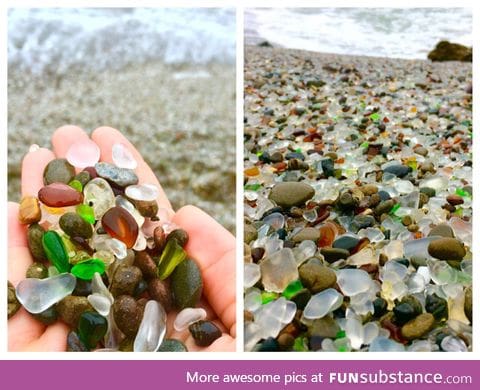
210	245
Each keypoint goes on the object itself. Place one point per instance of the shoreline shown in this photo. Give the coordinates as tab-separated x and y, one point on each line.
347	57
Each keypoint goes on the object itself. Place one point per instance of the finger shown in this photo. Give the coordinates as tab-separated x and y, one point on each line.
17	233
213	247
33	165
106	137
223	344
19	258
64	137
22	330
54	339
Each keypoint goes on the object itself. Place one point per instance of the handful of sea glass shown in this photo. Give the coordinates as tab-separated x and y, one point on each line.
105	263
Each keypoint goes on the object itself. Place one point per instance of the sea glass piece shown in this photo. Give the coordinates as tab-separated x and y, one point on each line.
292	289
91	328
152	328
384	344
141	243
323	303
251	274
353	281
270	317
453	344
127	205
120	224
172	255
86	212
86	269
59	195
99	195
98	287
76	185
278	270
118	248
55	250
252	300
122	157
142	192
268	297
37	295
187	317
100	303
84	153
29	211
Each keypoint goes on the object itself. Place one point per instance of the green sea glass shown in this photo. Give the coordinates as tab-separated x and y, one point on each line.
86	212
268	297
172	255
86	269
299	345
375	116
91	328
292	289
77	185
55	250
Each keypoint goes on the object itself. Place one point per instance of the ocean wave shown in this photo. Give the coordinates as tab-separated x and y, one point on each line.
382	32
63	40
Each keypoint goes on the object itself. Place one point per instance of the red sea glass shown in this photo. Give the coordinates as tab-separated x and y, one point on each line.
59	195
120	224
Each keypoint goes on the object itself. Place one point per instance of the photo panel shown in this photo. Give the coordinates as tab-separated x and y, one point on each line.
358	179
121	168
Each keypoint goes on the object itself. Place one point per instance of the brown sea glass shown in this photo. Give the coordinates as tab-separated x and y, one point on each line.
120	224
59	195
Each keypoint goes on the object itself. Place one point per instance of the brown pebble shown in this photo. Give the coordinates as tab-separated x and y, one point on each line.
286	341
454	199
127	314
407	220
125	280
159	239
419	326
317	277
159	290
413	228
423	200
37	271
382	259
180	235
71	308
247	254
126	344
35	234
29	210
374	200
247	316
447	248
13	303
257	254
146	265
147	209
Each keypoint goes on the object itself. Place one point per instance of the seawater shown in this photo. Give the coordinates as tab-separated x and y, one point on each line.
382	32
62	40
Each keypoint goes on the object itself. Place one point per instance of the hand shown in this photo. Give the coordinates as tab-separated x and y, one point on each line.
210	245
